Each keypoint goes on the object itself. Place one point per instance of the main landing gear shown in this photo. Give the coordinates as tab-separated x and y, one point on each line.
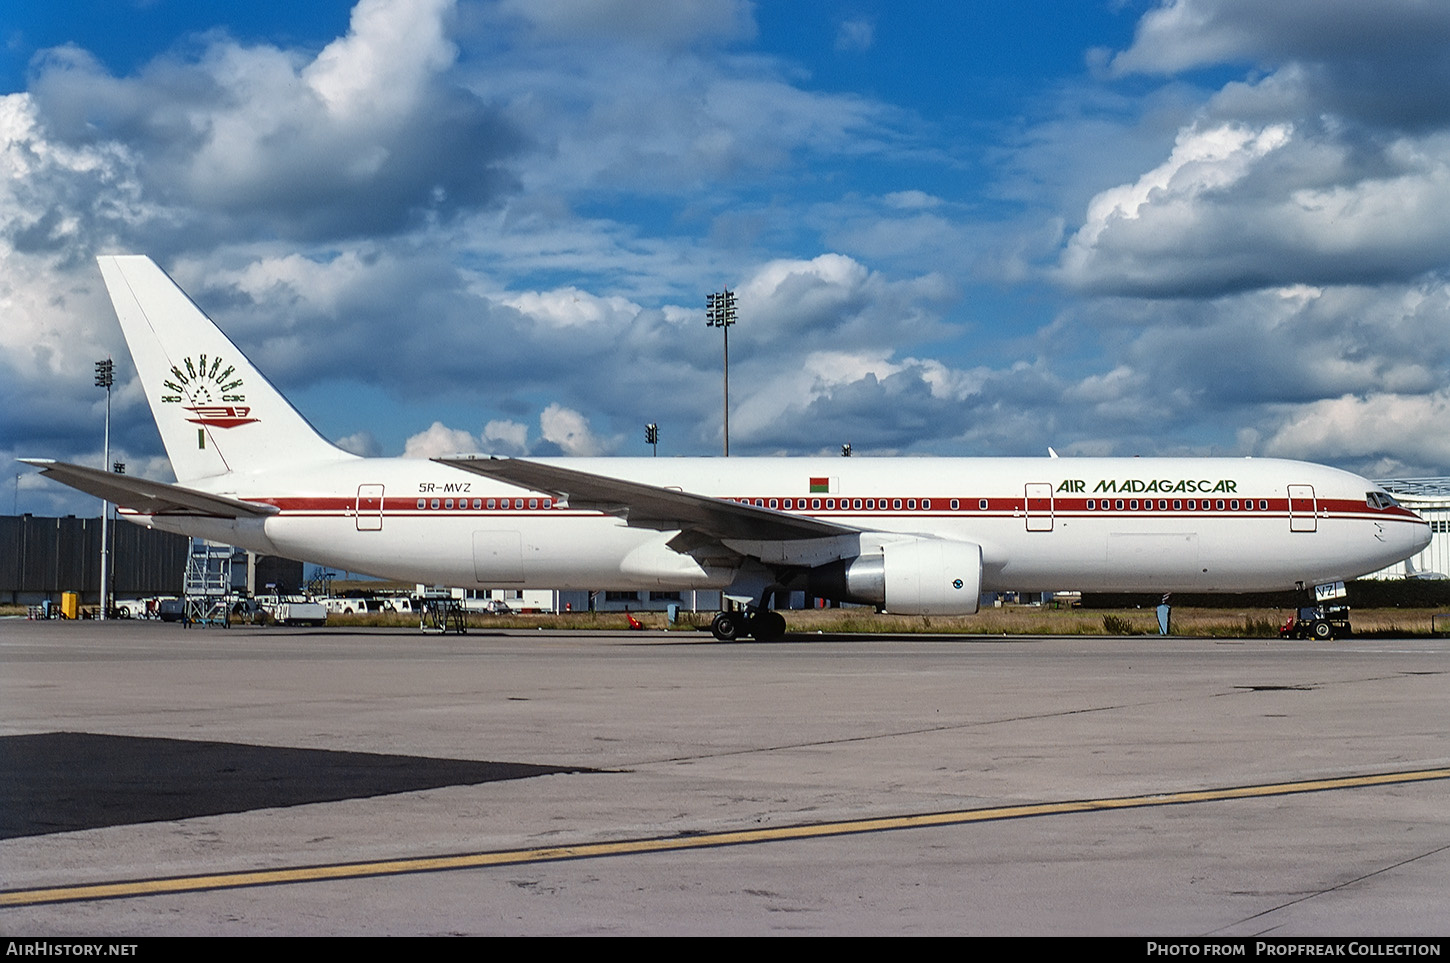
763	625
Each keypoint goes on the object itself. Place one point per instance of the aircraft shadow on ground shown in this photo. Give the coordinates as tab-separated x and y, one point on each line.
65	781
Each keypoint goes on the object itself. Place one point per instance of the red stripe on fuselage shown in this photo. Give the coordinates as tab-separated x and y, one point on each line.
329	505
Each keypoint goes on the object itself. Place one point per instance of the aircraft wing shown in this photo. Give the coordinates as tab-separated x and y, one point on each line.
650	506
148	497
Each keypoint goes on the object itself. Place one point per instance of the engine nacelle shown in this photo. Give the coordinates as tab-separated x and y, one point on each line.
910	576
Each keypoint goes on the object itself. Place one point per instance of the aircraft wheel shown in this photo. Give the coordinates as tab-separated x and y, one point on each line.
768	627
726	626
1323	631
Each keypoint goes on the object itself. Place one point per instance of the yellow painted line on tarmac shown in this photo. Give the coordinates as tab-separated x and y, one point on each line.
515	857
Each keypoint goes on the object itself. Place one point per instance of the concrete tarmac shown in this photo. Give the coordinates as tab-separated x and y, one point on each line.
257	781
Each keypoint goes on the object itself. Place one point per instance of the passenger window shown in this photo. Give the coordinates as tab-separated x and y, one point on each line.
911	504
491	504
422	503
1118	504
926	504
982	504
896	504
1220	504
1178	504
533	503
815	503
433	504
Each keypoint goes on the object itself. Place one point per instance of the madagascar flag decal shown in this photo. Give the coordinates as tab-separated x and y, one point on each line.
822	485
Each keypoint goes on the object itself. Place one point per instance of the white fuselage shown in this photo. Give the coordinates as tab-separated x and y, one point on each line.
1091	524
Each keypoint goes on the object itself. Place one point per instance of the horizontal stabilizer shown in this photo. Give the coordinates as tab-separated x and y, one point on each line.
148	497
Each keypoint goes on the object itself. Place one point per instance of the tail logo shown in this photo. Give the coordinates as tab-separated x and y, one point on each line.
203	382
221	416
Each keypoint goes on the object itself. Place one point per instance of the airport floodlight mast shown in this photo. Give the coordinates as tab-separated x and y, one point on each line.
105	371
720	313
652	437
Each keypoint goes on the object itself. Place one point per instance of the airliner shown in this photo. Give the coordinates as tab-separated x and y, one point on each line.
915	536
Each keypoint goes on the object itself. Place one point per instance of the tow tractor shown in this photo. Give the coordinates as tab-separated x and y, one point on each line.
1322	622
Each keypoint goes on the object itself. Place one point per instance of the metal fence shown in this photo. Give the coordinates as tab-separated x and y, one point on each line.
43	557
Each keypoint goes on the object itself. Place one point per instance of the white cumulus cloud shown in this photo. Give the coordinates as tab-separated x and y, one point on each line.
439	440
1390	430
570	431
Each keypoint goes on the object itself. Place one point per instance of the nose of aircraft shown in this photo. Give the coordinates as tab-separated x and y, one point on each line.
1419	536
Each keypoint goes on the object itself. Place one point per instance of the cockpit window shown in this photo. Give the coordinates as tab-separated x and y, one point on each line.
1380	500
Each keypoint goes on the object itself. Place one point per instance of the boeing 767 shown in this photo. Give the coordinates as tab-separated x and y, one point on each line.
920	536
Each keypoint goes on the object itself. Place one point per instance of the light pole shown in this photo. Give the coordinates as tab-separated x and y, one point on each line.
119	467
720	313
104	376
652	437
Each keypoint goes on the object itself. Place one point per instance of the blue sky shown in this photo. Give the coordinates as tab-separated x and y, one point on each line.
1188	227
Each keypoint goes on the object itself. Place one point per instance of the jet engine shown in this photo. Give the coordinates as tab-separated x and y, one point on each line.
909	576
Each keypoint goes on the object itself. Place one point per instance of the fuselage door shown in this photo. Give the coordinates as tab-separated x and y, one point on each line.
1302	509
369	512
1039	506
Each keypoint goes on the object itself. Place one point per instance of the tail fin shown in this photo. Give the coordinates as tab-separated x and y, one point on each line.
215	410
